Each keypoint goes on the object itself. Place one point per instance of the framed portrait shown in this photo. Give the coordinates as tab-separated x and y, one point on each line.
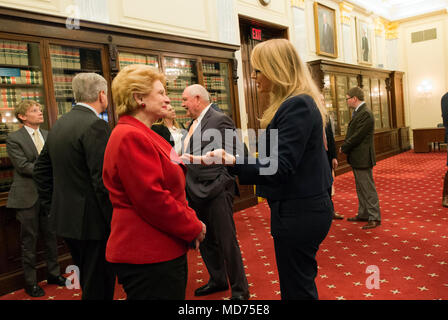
364	42
325	29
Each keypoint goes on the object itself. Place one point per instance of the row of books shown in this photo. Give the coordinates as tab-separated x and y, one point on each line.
65	57
210	68
26	77
10	97
179	67
219	97
178	83
126	59
3	154
214	83
13	52
63	85
64	107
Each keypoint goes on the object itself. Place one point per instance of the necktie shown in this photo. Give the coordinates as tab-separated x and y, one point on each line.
190	133
38	141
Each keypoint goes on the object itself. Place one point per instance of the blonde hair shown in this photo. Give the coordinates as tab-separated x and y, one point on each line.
23	107
279	62
136	78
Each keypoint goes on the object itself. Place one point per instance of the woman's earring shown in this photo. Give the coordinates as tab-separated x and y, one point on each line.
143	105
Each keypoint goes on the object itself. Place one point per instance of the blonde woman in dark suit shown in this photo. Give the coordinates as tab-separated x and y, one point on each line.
294	174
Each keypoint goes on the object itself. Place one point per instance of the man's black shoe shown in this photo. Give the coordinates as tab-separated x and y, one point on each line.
208	289
244	296
34	291
59	280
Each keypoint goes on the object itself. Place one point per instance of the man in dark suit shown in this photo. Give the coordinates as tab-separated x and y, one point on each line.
68	174
210	192
444	104
359	148
23	147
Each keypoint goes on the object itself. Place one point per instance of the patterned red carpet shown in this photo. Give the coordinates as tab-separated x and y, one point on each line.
409	251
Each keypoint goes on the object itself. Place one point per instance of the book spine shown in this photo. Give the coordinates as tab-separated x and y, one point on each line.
2	52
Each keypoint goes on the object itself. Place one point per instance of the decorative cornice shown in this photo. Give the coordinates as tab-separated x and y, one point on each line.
345	10
298	4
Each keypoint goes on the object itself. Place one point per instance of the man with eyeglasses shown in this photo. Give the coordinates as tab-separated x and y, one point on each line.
23	147
359	148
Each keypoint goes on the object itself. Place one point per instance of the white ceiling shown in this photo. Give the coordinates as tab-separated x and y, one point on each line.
401	9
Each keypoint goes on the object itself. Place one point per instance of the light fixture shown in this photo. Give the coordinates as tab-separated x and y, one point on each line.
424	89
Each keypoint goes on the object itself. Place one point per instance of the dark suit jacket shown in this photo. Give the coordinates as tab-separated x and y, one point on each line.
23	154
331	145
301	160
68	174
358	144
206	182
164	132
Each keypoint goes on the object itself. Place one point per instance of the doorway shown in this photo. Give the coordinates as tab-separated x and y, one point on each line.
253	32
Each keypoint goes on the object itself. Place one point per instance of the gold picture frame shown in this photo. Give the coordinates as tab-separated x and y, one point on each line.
325	29
364	42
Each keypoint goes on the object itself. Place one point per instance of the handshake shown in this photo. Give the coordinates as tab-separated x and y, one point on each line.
218	156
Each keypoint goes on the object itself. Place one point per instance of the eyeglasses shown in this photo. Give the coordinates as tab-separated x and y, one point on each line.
348	98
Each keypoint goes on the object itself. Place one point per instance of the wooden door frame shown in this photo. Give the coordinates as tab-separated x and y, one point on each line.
250	91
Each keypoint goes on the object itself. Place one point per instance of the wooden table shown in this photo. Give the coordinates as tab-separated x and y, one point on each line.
424	136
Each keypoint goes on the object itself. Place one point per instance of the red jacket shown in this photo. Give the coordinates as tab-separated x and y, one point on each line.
151	221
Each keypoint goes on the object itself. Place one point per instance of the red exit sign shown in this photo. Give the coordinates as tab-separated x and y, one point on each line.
255	34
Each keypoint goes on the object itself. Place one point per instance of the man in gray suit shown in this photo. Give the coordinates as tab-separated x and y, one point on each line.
210	192
23	147
359	147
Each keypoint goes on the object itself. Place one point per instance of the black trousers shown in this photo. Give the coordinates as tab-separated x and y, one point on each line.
97	279
31	222
298	227
220	250
157	281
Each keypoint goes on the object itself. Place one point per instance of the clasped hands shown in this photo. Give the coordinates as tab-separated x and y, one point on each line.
218	156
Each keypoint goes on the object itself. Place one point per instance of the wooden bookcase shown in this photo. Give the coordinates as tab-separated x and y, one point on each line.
42	56
383	94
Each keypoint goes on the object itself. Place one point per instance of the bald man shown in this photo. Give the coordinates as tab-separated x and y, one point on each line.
210	192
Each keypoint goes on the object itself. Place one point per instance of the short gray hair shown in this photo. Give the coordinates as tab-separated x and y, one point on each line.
198	90
87	86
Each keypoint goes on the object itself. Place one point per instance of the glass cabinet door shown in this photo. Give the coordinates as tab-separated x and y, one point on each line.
352	82
376	108
344	114
384	104
20	79
216	81
366	89
126	58
329	94
66	63
179	73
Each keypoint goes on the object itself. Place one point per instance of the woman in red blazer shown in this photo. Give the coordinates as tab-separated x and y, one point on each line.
152	224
